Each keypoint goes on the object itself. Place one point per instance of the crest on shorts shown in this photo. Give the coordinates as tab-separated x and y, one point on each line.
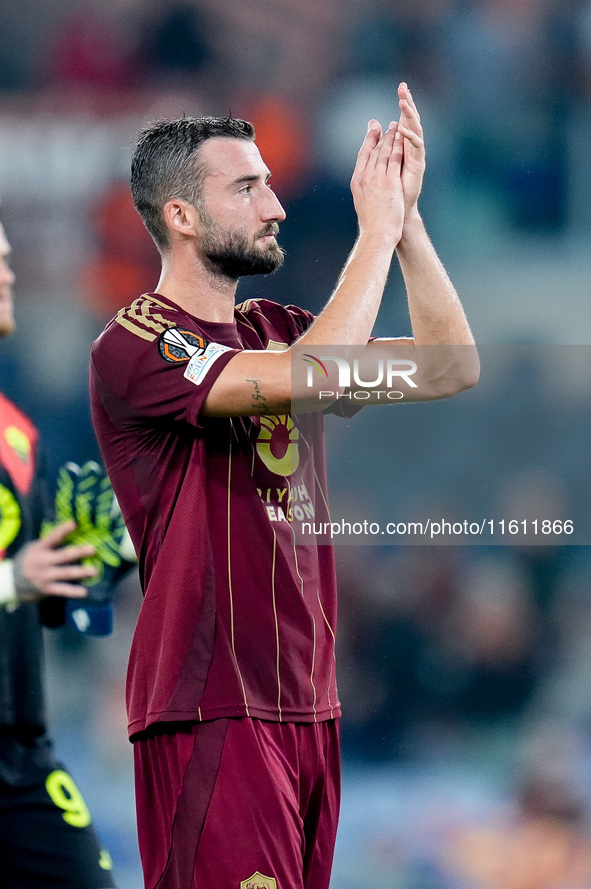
258	881
177	345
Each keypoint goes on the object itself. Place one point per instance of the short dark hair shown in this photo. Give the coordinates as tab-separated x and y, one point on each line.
165	165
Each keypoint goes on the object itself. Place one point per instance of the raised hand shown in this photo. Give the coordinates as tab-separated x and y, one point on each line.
376	183
413	162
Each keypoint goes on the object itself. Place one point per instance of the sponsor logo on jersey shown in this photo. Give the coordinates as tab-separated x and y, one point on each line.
259	881
278	444
178	346
201	362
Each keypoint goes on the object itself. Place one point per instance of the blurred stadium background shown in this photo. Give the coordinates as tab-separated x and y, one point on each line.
464	671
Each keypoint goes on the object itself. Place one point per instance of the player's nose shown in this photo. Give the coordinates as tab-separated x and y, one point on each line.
272	210
6	274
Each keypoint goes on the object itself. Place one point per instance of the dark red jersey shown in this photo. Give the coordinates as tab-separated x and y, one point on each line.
237	619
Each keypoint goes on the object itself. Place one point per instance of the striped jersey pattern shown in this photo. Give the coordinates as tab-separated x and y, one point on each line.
237	620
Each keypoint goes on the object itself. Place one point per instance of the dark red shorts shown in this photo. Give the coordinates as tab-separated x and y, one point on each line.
238	804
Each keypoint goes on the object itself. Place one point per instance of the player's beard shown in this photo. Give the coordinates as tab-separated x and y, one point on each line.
6	318
230	254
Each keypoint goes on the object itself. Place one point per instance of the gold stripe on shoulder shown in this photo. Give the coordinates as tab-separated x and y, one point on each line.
135	328
140	318
245	306
153	319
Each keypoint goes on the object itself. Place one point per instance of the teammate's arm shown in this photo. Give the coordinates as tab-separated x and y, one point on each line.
46	567
83	548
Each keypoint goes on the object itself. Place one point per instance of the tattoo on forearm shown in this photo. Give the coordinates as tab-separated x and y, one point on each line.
259	400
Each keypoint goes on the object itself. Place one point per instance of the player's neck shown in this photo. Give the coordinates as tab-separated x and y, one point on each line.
198	290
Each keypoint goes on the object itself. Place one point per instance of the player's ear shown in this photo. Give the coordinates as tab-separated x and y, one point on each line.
181	217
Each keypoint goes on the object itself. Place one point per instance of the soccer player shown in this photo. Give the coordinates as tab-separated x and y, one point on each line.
232	698
46	836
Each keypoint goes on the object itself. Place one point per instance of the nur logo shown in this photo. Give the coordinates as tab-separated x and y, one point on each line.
350	373
315	364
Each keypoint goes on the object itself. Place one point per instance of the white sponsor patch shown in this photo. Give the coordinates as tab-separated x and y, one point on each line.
199	364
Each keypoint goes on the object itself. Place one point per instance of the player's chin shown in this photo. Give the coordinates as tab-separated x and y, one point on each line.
6	312
7	325
275	258
271	254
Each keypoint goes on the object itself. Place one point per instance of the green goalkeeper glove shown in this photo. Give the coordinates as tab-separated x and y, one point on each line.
84	495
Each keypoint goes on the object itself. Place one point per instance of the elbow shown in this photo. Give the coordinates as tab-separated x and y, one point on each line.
461	373
469	371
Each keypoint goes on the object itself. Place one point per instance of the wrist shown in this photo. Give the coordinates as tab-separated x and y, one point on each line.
413	229
378	237
25	589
